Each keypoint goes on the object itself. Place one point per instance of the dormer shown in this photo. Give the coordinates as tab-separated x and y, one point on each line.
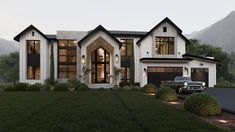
165	40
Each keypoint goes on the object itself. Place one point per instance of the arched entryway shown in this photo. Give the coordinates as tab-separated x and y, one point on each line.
100	61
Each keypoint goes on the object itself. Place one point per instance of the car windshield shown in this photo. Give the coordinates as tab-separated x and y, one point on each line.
182	79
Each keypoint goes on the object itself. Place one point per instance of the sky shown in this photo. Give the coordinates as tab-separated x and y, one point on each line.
82	15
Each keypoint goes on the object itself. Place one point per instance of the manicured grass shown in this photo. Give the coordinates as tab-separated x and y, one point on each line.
99	111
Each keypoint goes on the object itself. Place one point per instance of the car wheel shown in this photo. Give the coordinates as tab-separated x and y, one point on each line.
179	90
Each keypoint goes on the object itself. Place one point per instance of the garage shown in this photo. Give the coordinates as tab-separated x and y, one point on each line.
200	74
158	75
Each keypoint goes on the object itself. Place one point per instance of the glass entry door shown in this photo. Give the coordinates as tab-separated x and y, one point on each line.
100	59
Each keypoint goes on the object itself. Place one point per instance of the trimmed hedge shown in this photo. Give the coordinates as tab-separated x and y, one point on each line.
166	94
149	88
34	87
21	86
9	87
202	104
82	87
61	87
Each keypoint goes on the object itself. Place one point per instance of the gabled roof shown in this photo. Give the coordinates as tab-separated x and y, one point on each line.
31	27
200	58
179	31
97	29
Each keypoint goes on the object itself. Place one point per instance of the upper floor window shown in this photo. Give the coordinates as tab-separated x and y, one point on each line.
126	49
67	56
164	29
33	47
33	59
165	45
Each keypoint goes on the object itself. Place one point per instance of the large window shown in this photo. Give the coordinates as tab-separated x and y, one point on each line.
67	56
100	59
165	45
126	53
33	59
125	72
126	49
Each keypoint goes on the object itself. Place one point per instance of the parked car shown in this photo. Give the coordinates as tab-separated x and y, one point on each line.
185	84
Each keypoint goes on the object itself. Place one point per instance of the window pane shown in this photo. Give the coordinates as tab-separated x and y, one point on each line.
30	45
62	52
37	47
62	59
129	49
72	68
72	52
37	72
71	59
30	72
72	74
164	45
123	49
62	74
62	43
62	67
100	55
126	48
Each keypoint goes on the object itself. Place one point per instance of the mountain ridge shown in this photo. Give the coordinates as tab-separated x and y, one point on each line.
220	34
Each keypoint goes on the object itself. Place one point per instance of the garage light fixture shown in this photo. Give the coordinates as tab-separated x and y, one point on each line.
83	59
116	58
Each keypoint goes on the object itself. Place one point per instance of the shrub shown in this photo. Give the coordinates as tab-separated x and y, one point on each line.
122	84
115	87
34	87
8	87
50	84
202	104
73	84
136	88
127	88
82	87
166	94
61	87
149	88
21	86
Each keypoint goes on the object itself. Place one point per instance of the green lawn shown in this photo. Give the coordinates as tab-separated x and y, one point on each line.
99	111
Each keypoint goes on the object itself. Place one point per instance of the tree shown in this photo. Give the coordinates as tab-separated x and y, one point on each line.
196	48
9	67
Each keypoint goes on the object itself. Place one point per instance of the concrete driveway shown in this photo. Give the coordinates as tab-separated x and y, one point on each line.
225	97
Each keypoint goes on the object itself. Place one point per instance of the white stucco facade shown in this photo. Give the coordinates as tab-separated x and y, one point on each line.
144	45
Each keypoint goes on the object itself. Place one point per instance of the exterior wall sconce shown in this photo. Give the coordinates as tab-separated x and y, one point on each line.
116	58
83	59
145	70
186	70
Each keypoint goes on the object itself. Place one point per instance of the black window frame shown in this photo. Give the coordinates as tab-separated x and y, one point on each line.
105	62
126	79
125	41
168	42
32	54
67	63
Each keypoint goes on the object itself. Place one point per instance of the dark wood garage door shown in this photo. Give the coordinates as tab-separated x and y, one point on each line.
200	74
157	75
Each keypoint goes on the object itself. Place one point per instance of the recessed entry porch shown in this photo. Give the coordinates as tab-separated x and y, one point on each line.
100	59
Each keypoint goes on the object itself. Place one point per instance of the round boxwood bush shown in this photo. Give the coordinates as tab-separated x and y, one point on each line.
21	86
34	87
149	88
61	87
202	104
82	87
166	94
126	88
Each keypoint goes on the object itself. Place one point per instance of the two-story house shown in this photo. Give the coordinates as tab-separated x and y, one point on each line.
151	57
